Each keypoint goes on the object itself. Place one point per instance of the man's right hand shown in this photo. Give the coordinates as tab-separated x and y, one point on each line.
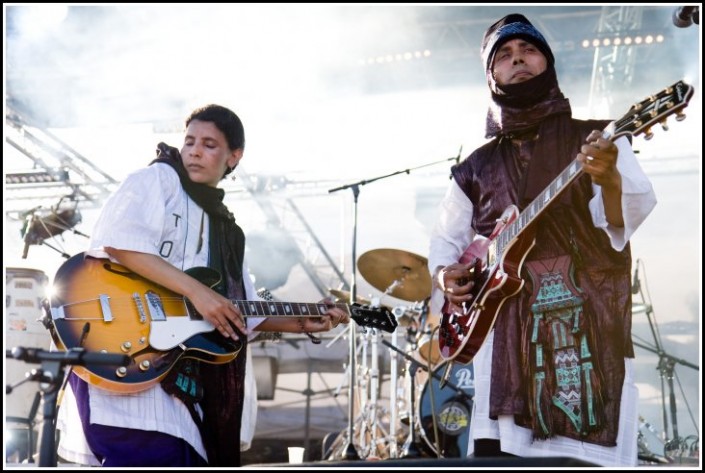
456	281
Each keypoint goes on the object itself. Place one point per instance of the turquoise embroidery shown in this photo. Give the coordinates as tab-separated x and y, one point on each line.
560	310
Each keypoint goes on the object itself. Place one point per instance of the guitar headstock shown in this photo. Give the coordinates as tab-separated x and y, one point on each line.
376	317
654	109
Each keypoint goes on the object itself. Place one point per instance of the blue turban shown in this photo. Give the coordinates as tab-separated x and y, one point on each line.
511	27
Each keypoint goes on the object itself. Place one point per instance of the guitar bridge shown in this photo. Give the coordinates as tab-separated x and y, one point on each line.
140	307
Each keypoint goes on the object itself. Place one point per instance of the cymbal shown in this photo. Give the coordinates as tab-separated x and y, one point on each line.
344	296
406	272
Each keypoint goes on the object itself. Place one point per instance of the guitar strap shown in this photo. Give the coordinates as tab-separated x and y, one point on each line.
560	360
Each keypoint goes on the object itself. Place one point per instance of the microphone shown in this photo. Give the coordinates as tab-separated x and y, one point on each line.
460	151
683	16
636	285
75	356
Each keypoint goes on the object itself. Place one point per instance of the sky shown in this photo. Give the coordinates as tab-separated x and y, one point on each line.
329	97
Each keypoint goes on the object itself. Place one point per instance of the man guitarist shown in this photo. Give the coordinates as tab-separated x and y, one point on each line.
554	375
165	219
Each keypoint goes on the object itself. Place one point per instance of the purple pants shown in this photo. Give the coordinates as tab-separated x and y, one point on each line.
117	446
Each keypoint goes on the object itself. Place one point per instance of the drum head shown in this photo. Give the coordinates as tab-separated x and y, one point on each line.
428	349
451	408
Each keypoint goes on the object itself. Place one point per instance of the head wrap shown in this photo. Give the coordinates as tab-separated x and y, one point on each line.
517	107
511	27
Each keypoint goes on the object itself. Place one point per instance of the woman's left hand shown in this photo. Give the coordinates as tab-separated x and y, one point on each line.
333	317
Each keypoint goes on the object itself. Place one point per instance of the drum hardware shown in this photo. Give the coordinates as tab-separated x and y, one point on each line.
444	429
428	347
393	453
372	408
410	448
457	387
407	288
344	296
445	412
405	315
446	373
371	437
363	442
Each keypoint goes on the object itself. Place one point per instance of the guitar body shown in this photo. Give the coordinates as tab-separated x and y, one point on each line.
464	329
111	302
102	306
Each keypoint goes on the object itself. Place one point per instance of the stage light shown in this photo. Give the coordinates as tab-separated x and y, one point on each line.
626	41
34	177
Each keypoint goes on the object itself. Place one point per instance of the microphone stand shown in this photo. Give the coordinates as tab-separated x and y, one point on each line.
350	452
665	366
52	364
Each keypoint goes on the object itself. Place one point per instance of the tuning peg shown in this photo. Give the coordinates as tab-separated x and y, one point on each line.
648	134
664	125
680	116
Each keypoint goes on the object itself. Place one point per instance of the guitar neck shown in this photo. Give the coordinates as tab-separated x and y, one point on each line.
536	208
284	309
639	119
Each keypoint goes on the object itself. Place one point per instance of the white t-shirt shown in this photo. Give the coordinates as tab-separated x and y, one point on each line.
150	213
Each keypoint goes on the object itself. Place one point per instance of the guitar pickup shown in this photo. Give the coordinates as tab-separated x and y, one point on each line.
154	304
105	308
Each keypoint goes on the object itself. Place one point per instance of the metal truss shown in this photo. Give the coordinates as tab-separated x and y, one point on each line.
613	66
57	170
284	214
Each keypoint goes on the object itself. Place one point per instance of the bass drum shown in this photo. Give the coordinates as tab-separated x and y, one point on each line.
451	406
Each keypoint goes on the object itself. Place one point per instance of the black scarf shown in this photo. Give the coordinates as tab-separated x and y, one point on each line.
519	107
224	383
536	106
210	199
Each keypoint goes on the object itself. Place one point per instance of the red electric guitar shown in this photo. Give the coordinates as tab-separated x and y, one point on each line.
464	329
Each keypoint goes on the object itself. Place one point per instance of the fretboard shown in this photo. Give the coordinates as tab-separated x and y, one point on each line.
535	208
284	309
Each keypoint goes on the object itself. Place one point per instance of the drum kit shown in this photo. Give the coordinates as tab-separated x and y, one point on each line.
431	401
